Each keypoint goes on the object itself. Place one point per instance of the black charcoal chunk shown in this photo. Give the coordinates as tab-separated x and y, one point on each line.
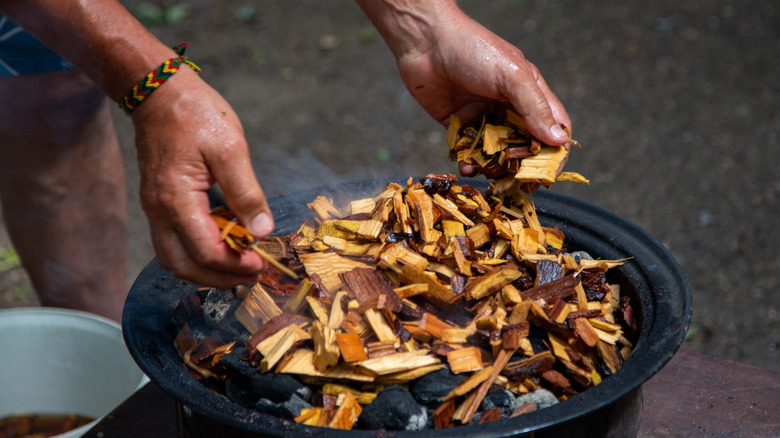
287	409
238	393
542	397
538	338
237	367
248	385
277	388
502	399
430	388
393	408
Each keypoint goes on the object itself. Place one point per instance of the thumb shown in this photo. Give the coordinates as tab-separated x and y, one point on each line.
244	196
541	110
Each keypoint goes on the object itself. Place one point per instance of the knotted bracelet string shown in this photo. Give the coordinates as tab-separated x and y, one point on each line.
153	80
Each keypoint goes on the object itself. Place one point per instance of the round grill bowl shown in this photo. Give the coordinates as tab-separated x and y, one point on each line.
653	280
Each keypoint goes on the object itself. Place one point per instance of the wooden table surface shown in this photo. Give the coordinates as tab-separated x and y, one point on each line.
692	396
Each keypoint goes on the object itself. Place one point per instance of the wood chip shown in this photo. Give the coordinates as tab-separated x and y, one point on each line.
465	360
351	347
381	291
257	308
397	362
347	413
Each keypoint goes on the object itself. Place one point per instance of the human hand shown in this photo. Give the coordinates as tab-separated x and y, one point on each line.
188	137
465	68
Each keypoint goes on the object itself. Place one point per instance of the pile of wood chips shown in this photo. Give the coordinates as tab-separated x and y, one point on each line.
423	276
501	148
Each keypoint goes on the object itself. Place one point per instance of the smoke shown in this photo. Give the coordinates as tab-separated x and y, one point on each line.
303	171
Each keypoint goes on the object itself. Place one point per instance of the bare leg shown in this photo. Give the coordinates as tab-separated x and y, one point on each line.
62	189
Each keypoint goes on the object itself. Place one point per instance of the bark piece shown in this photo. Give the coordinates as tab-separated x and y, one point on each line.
535	364
380	348
552	291
367	286
438	294
328	266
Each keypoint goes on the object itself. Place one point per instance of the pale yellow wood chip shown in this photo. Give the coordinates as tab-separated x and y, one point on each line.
543	167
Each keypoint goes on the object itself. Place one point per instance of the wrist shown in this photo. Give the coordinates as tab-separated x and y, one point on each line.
409	27
156	79
122	76
178	95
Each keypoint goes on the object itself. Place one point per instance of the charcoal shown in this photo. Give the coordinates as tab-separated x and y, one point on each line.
538	338
238	394
237	367
542	397
393	408
502	399
287	409
277	388
430	388
216	306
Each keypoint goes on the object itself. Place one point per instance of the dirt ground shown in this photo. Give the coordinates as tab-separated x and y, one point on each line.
676	104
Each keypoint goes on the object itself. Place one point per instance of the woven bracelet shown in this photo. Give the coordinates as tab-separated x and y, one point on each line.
153	80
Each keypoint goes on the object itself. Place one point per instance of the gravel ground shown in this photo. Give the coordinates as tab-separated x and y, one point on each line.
676	104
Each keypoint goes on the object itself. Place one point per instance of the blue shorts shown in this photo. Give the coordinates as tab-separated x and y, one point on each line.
22	54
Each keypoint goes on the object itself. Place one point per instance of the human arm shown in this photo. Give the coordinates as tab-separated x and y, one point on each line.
453	65
187	135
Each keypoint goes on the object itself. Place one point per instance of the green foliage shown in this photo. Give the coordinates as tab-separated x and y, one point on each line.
161	13
367	35
9	259
383	155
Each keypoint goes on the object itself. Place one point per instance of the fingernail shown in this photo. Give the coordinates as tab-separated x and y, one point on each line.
558	132
262	225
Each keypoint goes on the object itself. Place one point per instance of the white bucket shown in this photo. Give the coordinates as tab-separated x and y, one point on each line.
59	361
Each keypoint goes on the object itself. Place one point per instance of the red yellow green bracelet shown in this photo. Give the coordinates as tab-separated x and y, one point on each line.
153	80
